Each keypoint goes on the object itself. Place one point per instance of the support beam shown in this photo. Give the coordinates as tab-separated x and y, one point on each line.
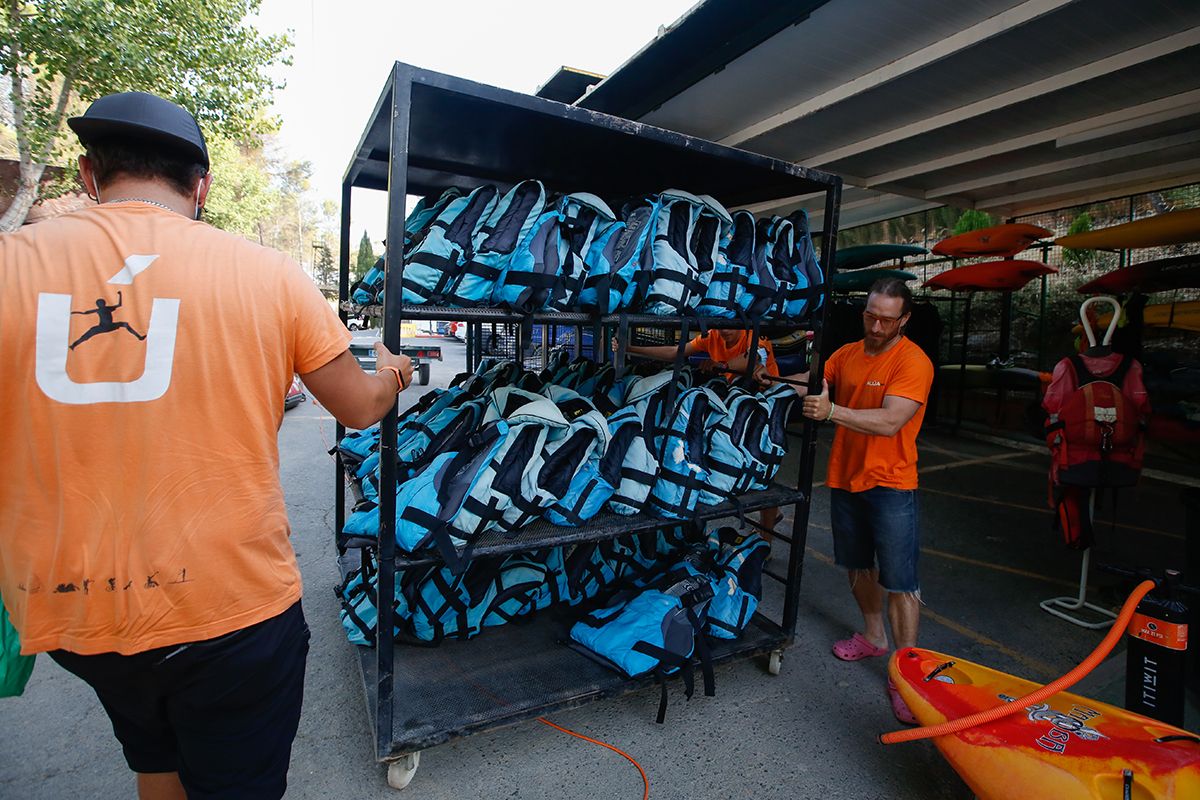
1083	191
1049	168
1054	83
1149	113
944	48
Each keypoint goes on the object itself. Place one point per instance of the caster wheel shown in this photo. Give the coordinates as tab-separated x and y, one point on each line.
423	377
774	662
400	773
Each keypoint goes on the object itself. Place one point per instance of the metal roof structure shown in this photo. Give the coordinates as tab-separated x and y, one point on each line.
1007	106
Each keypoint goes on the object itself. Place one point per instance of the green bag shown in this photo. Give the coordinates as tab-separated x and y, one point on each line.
14	667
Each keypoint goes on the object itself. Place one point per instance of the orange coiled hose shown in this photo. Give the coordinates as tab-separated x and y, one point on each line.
1065	682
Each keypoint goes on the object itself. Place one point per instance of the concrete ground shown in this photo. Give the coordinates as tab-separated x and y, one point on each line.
988	557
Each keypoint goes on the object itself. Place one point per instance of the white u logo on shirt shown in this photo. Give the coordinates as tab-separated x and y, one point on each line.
54	341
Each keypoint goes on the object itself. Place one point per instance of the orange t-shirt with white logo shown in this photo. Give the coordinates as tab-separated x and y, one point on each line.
144	358
860	461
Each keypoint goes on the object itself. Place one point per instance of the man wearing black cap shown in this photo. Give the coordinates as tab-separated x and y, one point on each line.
144	541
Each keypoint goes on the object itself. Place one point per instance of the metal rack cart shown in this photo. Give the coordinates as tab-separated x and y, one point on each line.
429	131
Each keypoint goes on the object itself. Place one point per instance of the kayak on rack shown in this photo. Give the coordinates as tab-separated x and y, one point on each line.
862	280
1182	316
868	255
998	240
1068	747
1175	227
1003	276
1159	275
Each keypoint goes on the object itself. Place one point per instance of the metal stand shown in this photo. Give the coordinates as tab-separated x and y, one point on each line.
1059	606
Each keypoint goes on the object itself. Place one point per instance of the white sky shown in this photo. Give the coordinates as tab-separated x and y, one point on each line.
342	51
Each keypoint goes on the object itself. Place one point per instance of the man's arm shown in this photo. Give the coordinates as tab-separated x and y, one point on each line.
666	352
358	399
885	421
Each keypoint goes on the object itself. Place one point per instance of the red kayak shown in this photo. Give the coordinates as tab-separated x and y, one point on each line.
1003	276
998	240
1160	275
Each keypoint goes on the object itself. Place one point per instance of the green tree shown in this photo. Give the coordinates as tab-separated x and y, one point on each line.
241	196
60	54
366	257
972	220
1073	257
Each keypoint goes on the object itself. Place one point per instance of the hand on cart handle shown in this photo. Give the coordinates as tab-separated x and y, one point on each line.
819	406
385	358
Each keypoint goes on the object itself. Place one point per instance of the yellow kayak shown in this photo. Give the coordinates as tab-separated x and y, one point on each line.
1175	227
1066	748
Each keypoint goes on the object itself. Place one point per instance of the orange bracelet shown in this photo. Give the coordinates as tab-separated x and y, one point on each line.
399	378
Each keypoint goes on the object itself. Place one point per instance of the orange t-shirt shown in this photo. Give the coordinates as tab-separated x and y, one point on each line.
860	461
714	345
144	359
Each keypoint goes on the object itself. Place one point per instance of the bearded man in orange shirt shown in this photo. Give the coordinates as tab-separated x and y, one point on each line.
879	389
164	577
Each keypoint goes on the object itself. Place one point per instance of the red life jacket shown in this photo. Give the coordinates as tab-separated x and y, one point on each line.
1097	439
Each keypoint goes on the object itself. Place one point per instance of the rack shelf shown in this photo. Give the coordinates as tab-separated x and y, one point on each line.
605	525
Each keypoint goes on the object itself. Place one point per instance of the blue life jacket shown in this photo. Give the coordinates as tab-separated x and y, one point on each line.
356	446
366	290
805	295
497	242
653	630
765	445
680	434
670	275
525	583
614	260
639	469
596	481
729	465
761	294
737	582
548	475
359	614
423	215
532	277
713	227
446	605
732	271
433	268
582	218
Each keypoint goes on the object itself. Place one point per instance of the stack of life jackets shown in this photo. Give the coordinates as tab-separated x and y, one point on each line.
1097	409
504	447
670	253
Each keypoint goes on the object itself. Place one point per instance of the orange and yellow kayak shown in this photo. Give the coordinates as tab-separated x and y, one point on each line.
1066	748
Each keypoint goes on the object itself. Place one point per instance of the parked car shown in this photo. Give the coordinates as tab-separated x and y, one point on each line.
362	347
295	394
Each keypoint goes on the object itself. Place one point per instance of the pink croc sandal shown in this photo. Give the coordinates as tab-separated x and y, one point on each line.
899	707
856	648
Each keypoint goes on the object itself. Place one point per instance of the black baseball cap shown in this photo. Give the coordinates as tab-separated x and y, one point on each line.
143	116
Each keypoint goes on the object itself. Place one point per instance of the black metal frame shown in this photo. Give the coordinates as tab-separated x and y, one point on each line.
428	131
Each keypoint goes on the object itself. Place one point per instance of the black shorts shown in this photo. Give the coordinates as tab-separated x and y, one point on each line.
222	712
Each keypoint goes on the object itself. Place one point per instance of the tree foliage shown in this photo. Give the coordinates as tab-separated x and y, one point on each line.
60	54
1079	259
972	220
365	258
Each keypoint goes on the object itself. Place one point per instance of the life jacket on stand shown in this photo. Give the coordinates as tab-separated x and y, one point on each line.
639	470
680	433
497	241
359	614
433	268
806	293
532	274
766	445
729	465
595	482
737	581
713	228
669	276
1096	434
423	215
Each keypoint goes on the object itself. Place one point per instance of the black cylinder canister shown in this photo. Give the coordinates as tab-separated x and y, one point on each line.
1156	659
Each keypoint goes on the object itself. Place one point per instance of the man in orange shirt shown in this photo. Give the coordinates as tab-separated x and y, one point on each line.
144	542
880	387
727	349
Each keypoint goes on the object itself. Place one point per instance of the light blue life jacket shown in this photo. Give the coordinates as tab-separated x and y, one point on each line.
366	290
766	446
680	434
423	215
497	241
596	481
805	294
639	469
433	268
713	228
583	217
526	583
732	270
356	446
446	605
531	277
359	615
761	294
736	582
548	475
671	276
614	260
729	465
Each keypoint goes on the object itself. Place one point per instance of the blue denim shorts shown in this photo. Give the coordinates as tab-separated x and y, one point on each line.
878	526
